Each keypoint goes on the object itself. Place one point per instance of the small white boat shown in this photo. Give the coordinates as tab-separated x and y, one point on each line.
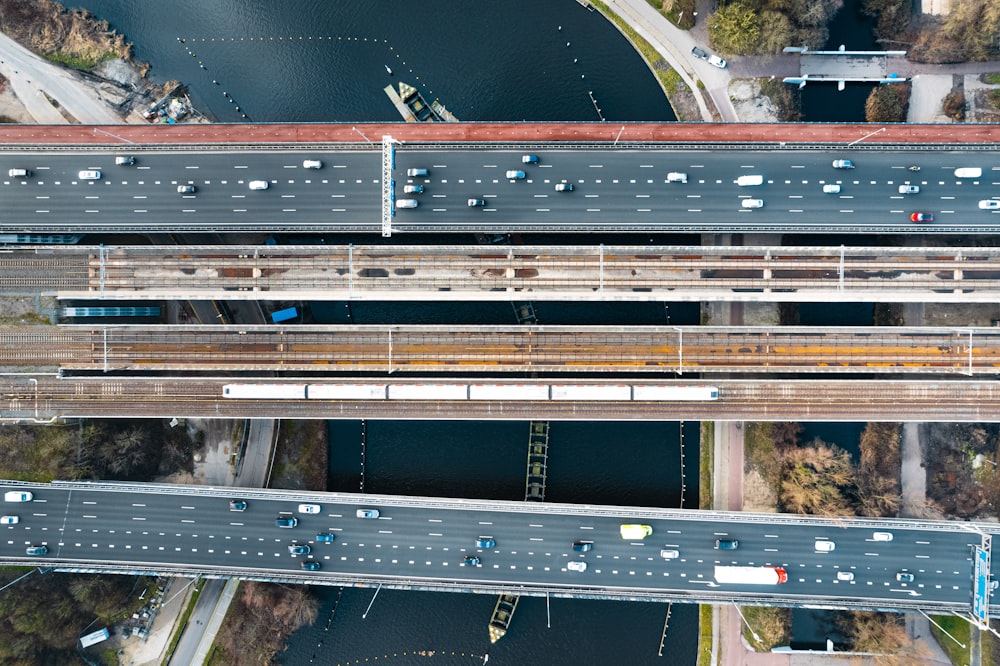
388	70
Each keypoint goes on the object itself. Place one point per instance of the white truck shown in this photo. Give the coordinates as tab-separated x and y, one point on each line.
751	575
633	532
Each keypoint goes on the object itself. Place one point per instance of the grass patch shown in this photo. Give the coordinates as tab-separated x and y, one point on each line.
706	463
773	626
992	77
705	635
760	453
958	628
184	619
81	62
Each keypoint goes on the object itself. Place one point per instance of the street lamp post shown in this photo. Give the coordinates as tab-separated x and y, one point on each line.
756	638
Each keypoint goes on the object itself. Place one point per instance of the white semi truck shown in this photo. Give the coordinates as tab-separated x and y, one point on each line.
751	575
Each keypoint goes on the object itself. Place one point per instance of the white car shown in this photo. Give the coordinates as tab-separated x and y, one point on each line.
989	204
677	177
258	184
825	546
17	496
716	61
669	553
308	508
831	189
576	565
312	164
882	536
8	520
407	203
89	174
369	514
846	576
752	203
909	189
515	174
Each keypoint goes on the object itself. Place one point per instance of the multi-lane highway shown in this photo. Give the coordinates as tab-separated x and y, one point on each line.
614	189
503	273
506	349
423	542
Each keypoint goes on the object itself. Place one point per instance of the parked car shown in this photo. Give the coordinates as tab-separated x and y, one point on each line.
476	203
324	537
824	546
989	204
486	543
186	189
516	174
310	565
921	217
846	576
564	187
909	189
716	61
36	550
904	577
286	521
9	520
258	185
370	514
529	159
843	164
471	561
699	53
17	496
309	508
576	565
237	505
582	546
831	189
299	549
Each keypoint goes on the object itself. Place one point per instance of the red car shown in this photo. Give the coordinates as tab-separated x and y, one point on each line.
921	217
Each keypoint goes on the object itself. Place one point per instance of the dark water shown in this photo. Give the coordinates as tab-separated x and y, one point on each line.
319	60
823	102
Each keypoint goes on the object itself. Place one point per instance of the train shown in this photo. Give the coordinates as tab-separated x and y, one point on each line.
443	391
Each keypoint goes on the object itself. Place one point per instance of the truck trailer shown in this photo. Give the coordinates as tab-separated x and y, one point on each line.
751	575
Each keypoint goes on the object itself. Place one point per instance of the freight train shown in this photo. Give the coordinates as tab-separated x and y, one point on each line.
520	392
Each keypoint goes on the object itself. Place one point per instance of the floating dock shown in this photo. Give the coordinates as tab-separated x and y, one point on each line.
538	462
414	108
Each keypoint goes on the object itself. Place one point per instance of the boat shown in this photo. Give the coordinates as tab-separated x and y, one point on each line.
388	70
414	108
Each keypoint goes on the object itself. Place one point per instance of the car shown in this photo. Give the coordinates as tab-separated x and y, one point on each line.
701	54
921	217
369	514
529	159
843	164
564	187
309	508
846	576
635	531
669	553
882	536
989	204
407	203
286	521
18	173
677	177
515	174
904	577
486	543
471	561
17	496
727	544
312	164
968	172
831	189
309	565
750	180
476	203
258	184
716	61
824	546
417	172
909	189
36	550
576	565
752	203
299	549
124	160
89	174
324	537
582	546
186	189
9	520
413	189
237	505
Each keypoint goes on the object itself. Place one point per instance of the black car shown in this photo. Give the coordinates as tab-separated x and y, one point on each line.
309	565
699	53
582	546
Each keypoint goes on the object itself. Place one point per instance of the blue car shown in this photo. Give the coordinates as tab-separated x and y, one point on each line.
310	565
486	543
326	537
286	521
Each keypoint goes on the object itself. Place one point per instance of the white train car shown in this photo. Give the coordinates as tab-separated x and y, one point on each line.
428	392
662	393
347	391
591	392
508	392
264	391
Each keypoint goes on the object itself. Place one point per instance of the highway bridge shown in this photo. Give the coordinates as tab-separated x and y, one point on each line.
429	350
46	398
421	543
621	189
503	273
